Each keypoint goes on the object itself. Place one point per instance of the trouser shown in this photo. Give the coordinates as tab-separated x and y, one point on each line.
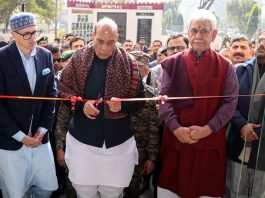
27	169
36	192
251	183
164	193
98	191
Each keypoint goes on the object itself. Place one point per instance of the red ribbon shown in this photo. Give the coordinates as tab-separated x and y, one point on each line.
161	98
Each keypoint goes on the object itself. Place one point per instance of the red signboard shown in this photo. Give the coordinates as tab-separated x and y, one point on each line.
131	6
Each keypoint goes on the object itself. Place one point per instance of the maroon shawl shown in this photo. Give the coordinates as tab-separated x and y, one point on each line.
122	76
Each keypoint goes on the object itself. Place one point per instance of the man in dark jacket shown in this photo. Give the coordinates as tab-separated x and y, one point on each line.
245	175
26	159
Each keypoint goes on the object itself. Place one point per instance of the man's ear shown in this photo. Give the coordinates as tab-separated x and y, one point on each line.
214	34
117	37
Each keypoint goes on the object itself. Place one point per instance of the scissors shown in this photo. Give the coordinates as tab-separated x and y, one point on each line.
98	101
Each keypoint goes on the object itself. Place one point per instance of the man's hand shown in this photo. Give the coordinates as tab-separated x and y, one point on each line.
198	132
38	135
183	135
90	109
30	141
60	157
149	167
114	104
248	133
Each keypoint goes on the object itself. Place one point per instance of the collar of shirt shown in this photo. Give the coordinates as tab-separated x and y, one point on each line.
32	53
29	67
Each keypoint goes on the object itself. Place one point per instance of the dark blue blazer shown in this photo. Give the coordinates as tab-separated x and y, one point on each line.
16	114
235	143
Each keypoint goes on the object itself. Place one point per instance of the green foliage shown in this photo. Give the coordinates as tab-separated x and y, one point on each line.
167	19
45	9
6	7
6	10
61	33
171	15
253	20
238	12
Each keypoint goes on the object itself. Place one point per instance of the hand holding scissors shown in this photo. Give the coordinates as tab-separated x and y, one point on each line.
91	108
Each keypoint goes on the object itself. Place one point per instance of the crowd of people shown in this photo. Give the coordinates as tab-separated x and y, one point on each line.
78	127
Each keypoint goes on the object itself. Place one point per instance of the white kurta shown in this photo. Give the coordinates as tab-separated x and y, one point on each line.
89	165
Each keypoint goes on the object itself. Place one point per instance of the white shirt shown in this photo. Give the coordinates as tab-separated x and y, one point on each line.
29	66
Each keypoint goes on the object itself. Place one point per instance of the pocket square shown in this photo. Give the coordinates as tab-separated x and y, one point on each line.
46	71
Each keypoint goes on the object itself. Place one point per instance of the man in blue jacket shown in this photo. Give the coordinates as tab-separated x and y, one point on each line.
246	167
26	159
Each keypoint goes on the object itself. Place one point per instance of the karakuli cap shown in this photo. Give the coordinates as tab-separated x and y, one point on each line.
22	20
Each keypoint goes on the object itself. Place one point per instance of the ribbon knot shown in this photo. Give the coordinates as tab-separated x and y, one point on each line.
73	101
162	98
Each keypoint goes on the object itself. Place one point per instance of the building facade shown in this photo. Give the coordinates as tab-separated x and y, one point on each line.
134	20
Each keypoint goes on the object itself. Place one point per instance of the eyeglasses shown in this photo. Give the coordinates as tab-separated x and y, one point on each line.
57	59
178	48
28	35
203	32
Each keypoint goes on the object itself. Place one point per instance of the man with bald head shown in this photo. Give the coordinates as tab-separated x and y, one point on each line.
100	146
225	52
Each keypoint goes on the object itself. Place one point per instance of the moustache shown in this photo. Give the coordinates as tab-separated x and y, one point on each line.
238	54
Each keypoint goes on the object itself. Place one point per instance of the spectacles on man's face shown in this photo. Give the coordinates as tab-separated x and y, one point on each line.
178	48
28	35
57	59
